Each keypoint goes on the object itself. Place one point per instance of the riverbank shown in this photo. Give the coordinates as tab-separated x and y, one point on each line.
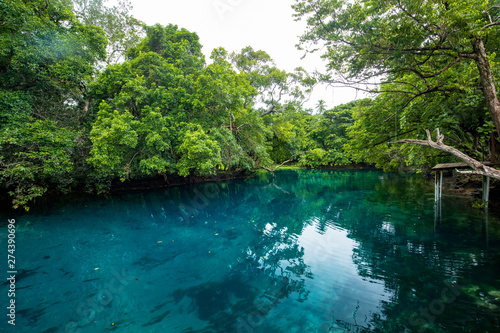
453	182
157	182
149	183
175	180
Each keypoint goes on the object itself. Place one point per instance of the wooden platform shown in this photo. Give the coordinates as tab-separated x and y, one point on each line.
451	166
438	185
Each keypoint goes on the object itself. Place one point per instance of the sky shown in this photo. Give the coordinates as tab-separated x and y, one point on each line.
266	25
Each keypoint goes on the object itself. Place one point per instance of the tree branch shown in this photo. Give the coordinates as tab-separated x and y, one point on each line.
392	137
477	167
490	25
428	91
268	111
245	124
287	161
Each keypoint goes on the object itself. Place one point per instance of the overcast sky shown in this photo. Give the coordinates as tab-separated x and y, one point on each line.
265	25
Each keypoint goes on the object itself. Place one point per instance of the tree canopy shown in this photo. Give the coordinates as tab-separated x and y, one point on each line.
122	30
423	55
47	59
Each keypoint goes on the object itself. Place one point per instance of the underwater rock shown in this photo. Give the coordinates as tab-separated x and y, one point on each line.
480	297
485	303
471	291
494	293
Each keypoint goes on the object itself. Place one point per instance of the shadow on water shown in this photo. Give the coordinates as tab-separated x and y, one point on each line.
307	251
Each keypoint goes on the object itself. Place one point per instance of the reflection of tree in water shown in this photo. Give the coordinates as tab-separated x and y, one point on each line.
417	260
254	288
393	226
293	202
400	245
293	205
269	271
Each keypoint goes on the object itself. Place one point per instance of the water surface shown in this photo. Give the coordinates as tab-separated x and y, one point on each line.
311	251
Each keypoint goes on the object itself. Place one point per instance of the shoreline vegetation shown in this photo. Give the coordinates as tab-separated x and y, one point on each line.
453	184
159	182
93	100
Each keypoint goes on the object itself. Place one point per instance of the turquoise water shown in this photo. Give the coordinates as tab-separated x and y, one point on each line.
311	251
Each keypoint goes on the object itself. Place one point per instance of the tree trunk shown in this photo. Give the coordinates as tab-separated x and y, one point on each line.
487	82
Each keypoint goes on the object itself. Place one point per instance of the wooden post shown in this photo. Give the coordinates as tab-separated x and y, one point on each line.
438	183
438	186
437	213
436	189
441	185
486	189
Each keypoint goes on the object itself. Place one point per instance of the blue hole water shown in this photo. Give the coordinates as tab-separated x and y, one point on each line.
310	251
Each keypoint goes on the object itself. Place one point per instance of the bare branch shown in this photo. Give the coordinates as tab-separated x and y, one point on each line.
238	128
490	25
287	161
477	167
339	84
392	137
444	69
428	91
268	111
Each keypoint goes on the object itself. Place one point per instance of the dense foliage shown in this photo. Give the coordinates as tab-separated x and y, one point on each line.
436	62
90	96
47	59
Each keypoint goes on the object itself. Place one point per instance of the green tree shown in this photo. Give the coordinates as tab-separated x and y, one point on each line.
227	98
321	106
199	154
416	48
287	133
47	58
277	88
133	133
179	47
35	156
278	101
327	135
122	30
164	112
461	117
